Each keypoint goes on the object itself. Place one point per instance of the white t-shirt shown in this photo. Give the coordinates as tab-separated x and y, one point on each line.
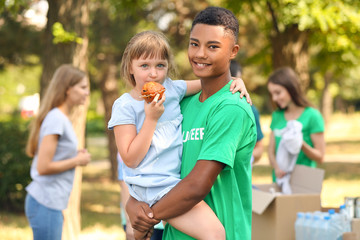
53	191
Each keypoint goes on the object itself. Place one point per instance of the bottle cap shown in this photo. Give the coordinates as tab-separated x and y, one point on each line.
300	214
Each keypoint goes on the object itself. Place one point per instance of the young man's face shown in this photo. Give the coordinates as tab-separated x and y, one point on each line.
210	50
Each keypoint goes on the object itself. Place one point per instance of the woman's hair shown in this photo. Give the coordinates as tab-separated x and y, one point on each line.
287	78
145	44
64	77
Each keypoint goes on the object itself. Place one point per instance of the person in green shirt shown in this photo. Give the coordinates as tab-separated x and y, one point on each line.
284	87
219	135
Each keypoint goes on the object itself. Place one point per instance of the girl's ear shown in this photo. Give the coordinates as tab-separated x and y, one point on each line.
234	51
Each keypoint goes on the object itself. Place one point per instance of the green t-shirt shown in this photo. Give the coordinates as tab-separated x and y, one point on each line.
222	129
312	122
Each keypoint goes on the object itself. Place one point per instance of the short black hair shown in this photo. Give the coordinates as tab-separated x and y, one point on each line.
218	16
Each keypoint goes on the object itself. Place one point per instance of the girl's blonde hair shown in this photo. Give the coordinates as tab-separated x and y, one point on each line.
64	77
146	44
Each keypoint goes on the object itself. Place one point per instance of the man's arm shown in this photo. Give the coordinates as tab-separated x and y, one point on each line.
189	191
185	195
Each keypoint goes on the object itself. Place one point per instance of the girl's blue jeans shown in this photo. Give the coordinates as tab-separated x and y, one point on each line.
46	223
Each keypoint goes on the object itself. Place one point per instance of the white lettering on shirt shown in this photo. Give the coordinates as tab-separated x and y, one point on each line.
194	134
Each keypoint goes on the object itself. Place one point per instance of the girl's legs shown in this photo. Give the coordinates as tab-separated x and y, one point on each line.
200	223
46	223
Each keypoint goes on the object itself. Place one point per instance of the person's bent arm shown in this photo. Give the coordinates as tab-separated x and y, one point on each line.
133	146
238	85
184	196
317	153
258	150
47	149
189	191
272	158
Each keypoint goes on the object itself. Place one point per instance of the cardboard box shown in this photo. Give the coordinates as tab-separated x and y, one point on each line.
274	215
349	236
355	227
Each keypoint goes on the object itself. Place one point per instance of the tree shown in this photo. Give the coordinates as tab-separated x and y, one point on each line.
109	33
304	30
73	15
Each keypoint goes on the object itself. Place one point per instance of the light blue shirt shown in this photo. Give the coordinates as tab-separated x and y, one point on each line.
53	191
159	171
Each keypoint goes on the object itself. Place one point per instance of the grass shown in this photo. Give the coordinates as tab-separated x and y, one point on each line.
100	197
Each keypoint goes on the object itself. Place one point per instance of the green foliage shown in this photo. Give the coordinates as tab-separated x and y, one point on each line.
17	42
14	164
62	36
95	124
13	6
17	82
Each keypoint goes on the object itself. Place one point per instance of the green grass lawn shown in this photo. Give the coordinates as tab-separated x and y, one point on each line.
100	197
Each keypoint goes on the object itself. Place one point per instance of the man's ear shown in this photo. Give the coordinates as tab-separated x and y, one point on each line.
234	51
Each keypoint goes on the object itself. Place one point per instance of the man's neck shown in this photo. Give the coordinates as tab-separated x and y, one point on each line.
210	86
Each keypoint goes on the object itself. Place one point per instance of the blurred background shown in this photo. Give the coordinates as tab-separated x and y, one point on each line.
319	39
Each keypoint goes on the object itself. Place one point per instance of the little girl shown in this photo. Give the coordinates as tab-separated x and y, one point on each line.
148	136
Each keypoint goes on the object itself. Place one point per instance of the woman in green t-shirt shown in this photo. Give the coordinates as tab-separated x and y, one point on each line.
284	87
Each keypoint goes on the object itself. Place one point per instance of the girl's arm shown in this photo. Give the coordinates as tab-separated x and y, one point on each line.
238	85
133	146
316	153
192	87
272	158
47	149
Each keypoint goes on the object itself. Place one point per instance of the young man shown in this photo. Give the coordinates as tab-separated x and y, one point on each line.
219	134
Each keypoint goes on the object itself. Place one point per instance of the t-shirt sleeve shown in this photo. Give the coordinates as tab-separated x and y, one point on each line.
53	124
180	88
121	114
317	122
224	130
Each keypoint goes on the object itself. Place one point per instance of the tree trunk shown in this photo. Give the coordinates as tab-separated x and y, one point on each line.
74	16
326	98
290	48
110	92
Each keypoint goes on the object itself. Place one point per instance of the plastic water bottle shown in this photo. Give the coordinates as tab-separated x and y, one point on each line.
306	226
315	227
336	224
299	226
324	229
345	218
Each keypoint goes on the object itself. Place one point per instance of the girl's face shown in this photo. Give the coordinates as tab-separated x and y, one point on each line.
77	94
279	95
149	69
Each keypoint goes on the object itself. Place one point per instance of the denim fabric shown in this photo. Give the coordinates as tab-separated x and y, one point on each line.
46	223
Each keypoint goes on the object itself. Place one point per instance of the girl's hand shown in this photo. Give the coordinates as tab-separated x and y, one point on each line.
83	157
279	173
156	108
238	85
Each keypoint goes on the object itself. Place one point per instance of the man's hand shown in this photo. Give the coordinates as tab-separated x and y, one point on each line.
141	215
143	236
